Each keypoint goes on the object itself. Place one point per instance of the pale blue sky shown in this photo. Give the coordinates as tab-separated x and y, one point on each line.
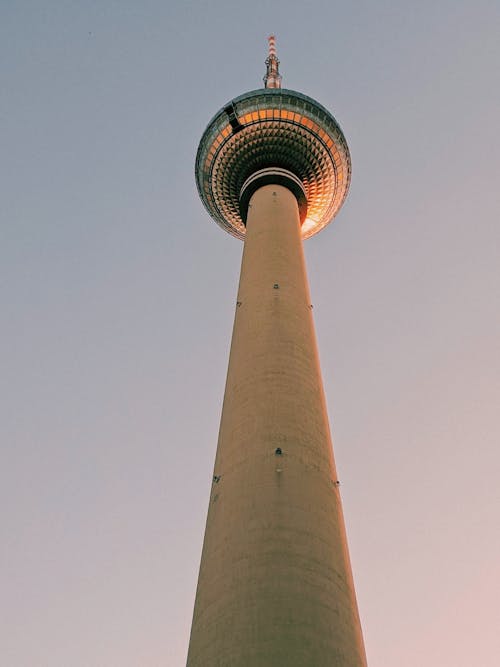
118	294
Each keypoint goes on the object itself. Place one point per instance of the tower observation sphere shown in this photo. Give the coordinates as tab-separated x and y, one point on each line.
275	587
268	130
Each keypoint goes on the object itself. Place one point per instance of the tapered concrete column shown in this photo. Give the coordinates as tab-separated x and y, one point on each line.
275	587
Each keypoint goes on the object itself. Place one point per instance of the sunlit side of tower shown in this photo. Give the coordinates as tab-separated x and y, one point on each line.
275	587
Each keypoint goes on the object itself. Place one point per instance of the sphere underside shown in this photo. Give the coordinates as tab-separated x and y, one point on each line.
273	128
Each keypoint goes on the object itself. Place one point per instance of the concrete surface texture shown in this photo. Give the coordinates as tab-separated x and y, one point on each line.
275	586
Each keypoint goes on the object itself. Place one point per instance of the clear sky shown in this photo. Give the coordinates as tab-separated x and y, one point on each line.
117	297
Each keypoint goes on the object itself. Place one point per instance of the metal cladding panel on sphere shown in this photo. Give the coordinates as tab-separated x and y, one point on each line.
273	127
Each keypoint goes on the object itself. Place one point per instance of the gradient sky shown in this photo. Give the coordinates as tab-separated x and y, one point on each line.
118	295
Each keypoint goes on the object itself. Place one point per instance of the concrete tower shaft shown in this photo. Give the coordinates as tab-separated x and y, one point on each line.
275	587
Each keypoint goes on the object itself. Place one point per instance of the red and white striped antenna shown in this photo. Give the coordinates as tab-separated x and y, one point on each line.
272	78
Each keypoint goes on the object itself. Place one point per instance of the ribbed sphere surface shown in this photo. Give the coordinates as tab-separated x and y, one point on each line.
273	127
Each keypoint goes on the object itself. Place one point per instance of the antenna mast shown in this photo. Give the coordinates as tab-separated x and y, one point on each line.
272	78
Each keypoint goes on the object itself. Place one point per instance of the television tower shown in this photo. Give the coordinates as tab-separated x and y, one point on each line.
275	587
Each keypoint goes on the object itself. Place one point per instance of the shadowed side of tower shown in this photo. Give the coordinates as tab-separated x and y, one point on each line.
275	587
